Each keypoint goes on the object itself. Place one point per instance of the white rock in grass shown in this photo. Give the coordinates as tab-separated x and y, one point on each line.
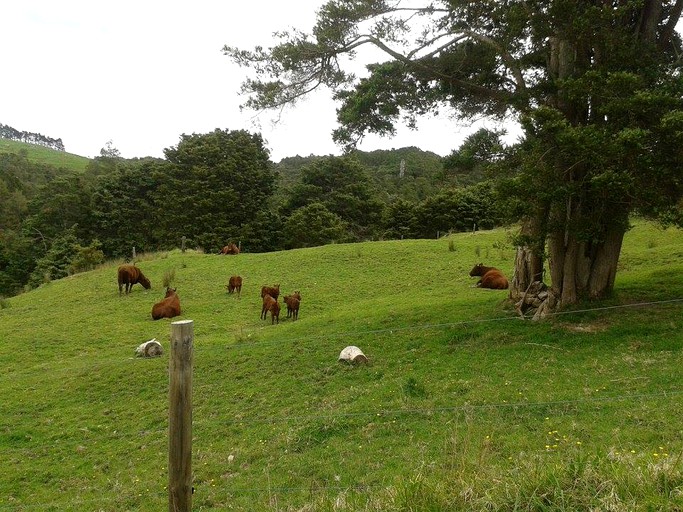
151	348
352	354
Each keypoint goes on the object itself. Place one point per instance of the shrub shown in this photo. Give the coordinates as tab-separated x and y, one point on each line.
87	258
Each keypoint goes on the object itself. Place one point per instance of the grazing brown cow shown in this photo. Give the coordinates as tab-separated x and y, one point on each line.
230	249
273	291
130	275
292	302
235	284
272	305
167	308
491	277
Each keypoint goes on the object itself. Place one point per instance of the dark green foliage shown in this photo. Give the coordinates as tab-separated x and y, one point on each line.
107	164
63	203
451	210
400	220
17	260
20	179
314	225
87	258
57	261
342	185
469	163
459	210
263	233
410	172
213	185
124	210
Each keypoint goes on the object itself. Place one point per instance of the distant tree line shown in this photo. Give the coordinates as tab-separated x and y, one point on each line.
7	132
222	187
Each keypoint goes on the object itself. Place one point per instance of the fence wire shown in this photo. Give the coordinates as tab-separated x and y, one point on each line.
427	411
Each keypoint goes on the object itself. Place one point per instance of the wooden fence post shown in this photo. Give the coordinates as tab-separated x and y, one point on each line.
182	243
180	417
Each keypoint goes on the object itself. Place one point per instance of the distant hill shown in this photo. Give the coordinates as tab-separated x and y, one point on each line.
43	155
11	133
407	172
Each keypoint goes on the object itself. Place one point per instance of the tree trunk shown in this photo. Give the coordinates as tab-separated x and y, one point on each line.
582	271
604	268
528	268
579	270
528	260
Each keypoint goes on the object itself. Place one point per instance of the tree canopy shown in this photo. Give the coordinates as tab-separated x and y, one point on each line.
342	185
214	184
596	86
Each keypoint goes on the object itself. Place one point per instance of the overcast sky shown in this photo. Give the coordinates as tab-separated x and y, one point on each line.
140	73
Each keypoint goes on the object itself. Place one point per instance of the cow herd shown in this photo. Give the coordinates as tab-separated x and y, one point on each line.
270	294
169	307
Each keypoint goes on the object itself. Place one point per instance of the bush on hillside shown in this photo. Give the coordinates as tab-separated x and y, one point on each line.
65	257
313	225
87	258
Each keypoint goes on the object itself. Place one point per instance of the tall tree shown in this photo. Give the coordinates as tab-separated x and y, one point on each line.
467	165
596	85
343	186
106	164
213	185
124	210
60	205
314	225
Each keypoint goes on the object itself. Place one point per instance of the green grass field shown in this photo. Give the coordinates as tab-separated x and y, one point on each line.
461	407
43	155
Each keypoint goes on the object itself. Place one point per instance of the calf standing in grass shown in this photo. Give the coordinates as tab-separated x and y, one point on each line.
167	308
491	277
272	305
130	275
293	301
235	285
273	291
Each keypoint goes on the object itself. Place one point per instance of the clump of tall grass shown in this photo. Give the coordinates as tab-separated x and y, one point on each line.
414	388
169	278
561	482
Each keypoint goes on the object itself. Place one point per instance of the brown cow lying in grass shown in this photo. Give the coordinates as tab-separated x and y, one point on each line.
167	308
272	305
491	277
230	249
293	301
235	285
130	275
273	291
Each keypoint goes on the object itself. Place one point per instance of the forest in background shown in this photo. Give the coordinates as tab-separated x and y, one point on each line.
221	187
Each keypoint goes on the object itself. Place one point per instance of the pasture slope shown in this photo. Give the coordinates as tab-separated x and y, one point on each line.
43	155
462	406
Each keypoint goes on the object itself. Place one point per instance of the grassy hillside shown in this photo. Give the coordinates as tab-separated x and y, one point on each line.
45	155
462	406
